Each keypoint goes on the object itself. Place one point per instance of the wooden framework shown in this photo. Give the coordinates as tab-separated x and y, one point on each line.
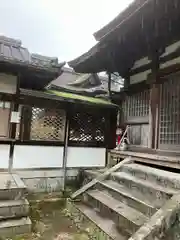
50	121
87	126
144	42
44	126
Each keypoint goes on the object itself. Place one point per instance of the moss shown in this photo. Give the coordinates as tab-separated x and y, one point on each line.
44	195
81	97
50	219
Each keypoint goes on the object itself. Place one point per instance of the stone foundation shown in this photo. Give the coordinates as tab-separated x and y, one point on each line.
47	180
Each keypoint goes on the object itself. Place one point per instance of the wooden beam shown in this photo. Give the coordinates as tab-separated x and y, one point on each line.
165	157
101	177
154	96
137	120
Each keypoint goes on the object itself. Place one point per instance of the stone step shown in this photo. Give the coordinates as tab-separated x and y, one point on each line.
161	177
11	228
94	173
14	209
155	193
11	187
125	195
125	217
12	194
106	225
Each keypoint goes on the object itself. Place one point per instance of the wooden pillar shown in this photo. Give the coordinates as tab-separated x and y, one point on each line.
127	81
109	85
15	107
111	126
154	100
154	114
26	123
65	153
13	127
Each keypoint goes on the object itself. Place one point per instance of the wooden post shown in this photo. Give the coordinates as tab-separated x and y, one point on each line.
66	138
109	85
26	123
154	114
154	99
13	127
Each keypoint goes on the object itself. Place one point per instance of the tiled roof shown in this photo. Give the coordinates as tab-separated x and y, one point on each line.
68	76
74	82
136	4
92	79
11	50
79	90
66	97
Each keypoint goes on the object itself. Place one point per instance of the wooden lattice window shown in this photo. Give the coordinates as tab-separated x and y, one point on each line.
87	128
47	124
136	105
170	112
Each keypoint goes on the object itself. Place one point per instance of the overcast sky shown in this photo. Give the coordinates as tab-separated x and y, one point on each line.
61	28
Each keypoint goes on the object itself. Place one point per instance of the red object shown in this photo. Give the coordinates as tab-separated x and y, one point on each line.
119	139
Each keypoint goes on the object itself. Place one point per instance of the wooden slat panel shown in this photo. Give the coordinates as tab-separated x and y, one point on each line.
170	112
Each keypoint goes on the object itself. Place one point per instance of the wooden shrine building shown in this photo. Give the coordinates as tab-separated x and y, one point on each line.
45	131
142	44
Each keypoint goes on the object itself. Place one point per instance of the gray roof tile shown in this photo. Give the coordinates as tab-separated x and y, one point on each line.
12	50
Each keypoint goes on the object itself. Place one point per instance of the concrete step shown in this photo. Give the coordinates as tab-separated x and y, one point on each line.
11	228
11	187
155	193
125	195
125	217
12	194
94	173
14	209
106	225
161	177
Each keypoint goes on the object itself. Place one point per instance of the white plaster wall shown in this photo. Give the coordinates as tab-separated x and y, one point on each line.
4	155
170	63
141	62
139	77
171	48
37	157
86	157
8	83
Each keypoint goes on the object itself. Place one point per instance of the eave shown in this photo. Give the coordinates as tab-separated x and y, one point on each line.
136	5
141	34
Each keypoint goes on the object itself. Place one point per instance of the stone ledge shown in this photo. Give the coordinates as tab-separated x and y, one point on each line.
161	221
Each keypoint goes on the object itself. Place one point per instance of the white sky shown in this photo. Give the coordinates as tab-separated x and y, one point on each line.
60	28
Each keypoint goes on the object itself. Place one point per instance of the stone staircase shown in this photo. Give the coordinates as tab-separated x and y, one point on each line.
14	208
135	202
